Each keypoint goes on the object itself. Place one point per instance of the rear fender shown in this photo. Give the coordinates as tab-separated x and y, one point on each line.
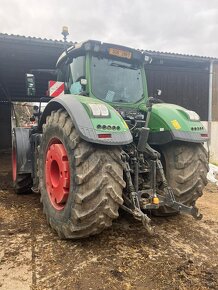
21	142
86	125
170	122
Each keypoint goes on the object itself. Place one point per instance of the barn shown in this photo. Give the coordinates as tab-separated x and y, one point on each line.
189	81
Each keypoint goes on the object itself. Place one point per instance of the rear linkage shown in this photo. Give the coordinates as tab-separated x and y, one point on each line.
134	201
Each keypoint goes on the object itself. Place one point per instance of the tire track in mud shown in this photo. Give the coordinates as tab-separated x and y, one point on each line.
33	262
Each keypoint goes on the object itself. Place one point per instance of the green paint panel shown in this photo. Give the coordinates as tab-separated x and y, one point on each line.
166	117
107	123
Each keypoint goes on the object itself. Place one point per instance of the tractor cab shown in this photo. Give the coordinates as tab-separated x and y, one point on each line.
111	73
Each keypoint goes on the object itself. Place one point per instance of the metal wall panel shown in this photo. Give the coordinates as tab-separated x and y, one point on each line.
215	93
5	125
186	85
18	59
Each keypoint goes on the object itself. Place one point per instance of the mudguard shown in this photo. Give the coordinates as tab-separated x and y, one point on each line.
170	122
109	130
21	141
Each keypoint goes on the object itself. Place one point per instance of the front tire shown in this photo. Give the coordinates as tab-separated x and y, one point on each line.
186	166
87	200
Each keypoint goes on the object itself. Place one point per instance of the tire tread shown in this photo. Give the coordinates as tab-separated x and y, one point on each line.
98	183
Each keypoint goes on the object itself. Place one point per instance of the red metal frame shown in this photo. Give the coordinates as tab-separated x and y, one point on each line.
14	164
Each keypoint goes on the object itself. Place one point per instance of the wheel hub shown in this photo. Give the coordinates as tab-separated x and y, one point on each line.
57	174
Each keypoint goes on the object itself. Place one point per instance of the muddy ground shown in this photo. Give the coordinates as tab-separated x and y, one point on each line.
183	253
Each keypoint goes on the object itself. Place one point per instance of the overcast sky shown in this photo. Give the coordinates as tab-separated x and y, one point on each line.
182	26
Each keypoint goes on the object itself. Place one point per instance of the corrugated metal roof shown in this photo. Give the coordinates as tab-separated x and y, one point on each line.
180	55
38	40
32	40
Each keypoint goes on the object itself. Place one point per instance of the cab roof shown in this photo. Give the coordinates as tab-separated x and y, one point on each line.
96	46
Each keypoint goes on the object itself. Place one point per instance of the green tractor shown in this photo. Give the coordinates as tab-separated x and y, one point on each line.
102	144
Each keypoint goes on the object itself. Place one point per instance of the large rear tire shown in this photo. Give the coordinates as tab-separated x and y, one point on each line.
186	166
85	199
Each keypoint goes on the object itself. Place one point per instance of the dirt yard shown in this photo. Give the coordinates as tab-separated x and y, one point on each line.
183	253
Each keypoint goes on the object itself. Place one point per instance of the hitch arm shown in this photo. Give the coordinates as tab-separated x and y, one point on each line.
134	199
169	200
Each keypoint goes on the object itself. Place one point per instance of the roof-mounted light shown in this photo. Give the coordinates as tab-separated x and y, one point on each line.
65	31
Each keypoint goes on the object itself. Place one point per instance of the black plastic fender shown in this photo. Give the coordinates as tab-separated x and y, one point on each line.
21	141
160	138
82	121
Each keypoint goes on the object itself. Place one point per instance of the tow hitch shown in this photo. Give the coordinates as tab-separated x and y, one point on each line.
169	200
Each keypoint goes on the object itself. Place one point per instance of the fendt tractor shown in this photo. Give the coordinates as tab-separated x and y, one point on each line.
101	144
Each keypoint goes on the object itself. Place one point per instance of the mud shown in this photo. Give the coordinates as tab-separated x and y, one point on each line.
183	253
21	114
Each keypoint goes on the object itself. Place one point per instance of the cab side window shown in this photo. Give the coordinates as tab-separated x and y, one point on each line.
77	72
62	76
71	74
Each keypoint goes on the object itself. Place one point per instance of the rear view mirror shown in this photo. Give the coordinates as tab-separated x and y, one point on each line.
30	85
83	82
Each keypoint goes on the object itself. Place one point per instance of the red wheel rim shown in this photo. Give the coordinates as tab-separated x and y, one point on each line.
57	174
14	164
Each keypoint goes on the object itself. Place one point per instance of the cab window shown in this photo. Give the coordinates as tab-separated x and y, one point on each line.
71	74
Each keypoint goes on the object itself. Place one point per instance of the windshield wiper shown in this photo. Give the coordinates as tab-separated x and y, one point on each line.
122	66
125	101
120	101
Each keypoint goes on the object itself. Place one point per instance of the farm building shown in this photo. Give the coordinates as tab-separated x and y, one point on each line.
189	81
